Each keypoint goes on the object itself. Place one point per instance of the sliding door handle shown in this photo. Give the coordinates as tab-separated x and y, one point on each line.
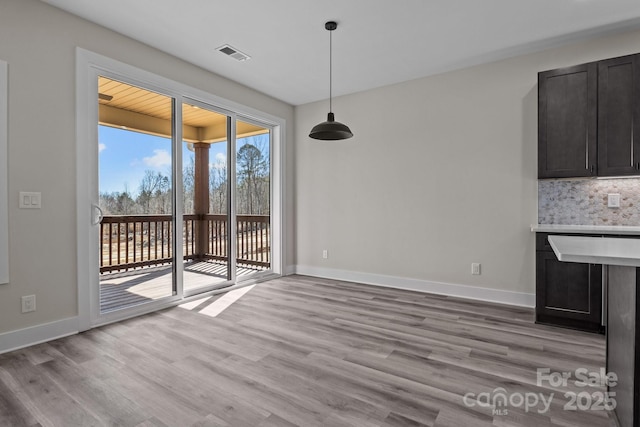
98	216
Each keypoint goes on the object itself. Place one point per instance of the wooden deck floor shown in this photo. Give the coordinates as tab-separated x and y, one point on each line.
302	351
121	290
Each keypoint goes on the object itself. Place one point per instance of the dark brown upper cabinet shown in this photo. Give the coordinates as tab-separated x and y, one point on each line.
619	116
567	122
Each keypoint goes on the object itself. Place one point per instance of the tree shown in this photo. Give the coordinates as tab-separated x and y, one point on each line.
252	167
118	203
154	193
125	203
218	187
188	185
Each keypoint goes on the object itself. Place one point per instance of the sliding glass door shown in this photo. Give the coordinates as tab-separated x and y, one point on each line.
184	198
205	197
253	198
136	203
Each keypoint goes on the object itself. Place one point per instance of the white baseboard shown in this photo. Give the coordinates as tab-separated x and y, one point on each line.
21	338
463	291
289	270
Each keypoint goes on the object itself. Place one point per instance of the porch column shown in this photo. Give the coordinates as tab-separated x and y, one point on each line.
201	197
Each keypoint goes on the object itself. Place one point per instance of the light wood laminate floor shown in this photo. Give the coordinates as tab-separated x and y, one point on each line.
302	351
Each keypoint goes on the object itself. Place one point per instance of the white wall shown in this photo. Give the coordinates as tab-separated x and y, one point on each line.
441	173
38	42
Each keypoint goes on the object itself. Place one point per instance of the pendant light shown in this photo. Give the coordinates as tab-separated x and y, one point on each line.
330	130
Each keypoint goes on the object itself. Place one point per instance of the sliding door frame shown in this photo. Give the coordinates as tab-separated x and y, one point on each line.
273	194
230	212
89	66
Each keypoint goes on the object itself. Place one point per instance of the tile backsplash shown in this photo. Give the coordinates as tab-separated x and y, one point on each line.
584	202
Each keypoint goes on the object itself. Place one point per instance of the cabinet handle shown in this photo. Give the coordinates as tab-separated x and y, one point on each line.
638	165
591	168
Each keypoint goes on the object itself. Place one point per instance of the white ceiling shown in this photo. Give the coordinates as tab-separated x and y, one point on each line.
378	42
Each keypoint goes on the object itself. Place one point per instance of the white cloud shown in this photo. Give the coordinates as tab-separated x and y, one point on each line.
159	159
101	147
221	162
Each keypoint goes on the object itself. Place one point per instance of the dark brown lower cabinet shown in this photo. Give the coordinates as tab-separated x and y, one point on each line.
567	294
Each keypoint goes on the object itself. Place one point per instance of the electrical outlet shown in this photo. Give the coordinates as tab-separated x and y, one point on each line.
28	303
475	268
613	200
325	254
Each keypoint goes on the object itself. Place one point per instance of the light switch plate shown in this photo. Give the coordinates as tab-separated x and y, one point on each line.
613	200
28	303
475	268
30	200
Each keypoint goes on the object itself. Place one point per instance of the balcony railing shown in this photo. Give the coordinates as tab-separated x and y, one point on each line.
133	241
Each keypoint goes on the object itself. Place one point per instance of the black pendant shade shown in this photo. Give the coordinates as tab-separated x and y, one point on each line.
330	130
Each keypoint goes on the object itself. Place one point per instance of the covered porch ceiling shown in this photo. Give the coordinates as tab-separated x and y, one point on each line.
129	107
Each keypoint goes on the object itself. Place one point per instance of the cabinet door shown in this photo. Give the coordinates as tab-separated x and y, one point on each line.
618	117
567	122
568	293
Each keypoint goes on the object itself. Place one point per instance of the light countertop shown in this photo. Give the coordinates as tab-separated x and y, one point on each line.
586	229
597	250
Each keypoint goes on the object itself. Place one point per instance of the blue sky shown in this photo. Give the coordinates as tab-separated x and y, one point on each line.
125	155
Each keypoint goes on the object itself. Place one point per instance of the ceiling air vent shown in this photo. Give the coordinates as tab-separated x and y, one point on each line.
233	52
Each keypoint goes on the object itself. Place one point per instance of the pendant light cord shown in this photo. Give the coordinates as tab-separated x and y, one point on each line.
330	68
